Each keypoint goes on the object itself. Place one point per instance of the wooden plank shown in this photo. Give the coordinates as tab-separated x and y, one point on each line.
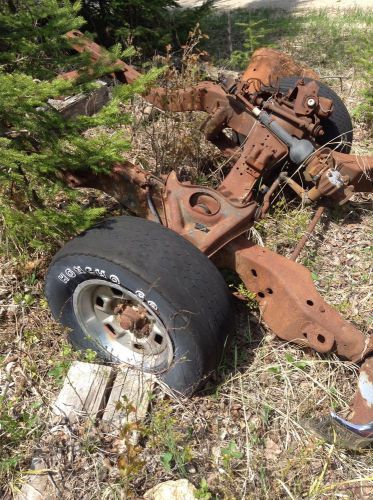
84	395
82	104
83	392
129	398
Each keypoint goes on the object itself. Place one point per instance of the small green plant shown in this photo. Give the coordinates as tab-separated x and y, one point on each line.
171	443
31	337
130	462
167	459
230	453
297	364
256	31
24	299
267	412
203	492
250	297
61	366
89	355
344	307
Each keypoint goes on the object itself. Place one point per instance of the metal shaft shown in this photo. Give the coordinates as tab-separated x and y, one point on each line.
307	234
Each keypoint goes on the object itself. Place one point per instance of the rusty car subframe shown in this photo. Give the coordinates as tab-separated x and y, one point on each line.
279	130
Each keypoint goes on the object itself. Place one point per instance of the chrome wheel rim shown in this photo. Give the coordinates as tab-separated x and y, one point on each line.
123	324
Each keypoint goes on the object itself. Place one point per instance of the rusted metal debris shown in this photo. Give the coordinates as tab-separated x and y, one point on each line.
307	234
280	130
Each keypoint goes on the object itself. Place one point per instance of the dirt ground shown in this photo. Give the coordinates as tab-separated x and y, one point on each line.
284	4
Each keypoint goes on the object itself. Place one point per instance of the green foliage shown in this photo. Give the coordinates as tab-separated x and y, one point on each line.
31	34
129	21
203	492
249	296
60	367
256	32
41	229
36	142
149	25
174	453
230	453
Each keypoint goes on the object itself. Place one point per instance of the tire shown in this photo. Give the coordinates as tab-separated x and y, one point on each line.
137	268
337	125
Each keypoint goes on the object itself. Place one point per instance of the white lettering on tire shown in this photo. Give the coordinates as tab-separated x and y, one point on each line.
114	279
151	303
70	273
101	273
63	278
75	270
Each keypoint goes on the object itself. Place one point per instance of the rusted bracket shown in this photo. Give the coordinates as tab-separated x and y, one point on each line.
289	302
204	216
129	184
293	309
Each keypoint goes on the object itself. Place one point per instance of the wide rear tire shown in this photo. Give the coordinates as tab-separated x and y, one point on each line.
140	294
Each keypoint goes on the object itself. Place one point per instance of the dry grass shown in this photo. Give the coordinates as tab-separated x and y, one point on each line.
246	436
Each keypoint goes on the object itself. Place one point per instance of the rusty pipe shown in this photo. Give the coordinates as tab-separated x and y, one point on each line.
269	193
310	228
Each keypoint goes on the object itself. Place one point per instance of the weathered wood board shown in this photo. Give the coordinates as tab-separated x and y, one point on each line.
84	390
82	104
130	387
94	392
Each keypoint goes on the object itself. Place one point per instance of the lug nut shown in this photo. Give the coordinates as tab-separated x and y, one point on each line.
311	102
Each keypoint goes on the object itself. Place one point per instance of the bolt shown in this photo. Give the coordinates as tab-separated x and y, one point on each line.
311	102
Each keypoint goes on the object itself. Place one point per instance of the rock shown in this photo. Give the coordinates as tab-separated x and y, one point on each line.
172	490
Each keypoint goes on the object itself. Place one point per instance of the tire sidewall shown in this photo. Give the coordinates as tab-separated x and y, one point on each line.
69	271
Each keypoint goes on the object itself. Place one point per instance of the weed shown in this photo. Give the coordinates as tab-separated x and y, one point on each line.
230	453
256	32
61	366
250	297
174	453
203	492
